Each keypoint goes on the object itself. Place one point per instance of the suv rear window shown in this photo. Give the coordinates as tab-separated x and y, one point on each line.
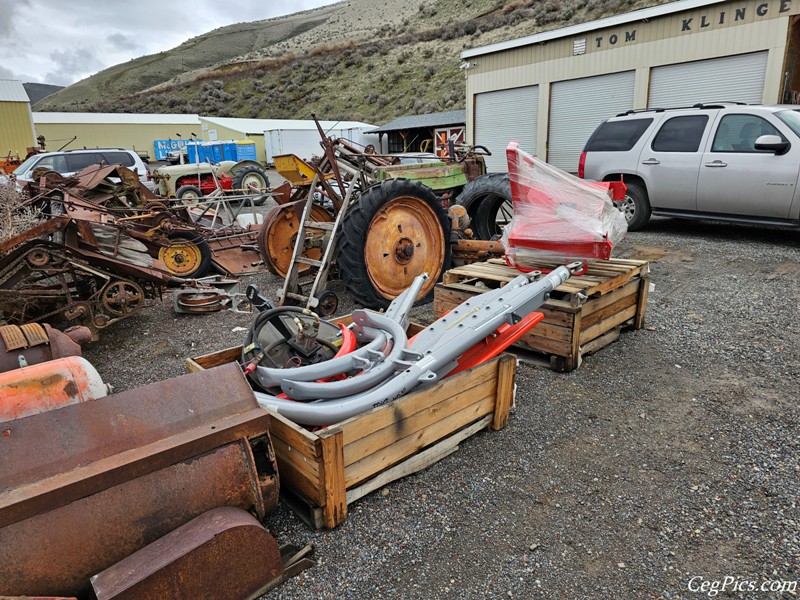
121	158
681	134
616	136
76	162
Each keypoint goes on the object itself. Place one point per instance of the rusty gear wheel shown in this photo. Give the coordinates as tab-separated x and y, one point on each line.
398	230
277	236
39	257
122	298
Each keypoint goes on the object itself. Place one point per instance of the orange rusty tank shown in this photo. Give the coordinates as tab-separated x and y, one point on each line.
48	385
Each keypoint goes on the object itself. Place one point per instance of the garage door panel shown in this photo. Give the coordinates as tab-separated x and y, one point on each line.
577	107
737	78
505	116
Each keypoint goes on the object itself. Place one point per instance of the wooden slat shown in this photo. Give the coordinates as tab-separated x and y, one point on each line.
298	472
418	462
214	359
405	425
334	509
384	416
388	457
600	328
641	307
602	341
616	307
292	434
506	371
629	289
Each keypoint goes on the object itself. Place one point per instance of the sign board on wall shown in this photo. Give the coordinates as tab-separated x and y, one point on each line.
164	146
212	135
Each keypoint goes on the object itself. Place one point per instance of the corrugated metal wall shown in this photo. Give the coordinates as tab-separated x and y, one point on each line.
109	135
16	129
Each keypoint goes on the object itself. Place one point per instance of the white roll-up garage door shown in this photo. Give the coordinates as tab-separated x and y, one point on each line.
506	116
737	78
577	107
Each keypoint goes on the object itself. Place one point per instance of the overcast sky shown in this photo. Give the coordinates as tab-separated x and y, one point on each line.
63	41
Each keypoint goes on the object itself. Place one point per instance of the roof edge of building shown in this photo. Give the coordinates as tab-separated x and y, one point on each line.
554	34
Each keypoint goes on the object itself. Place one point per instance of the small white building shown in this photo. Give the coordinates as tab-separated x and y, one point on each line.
287	136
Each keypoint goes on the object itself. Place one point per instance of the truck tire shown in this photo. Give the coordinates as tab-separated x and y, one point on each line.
635	206
397	230
488	202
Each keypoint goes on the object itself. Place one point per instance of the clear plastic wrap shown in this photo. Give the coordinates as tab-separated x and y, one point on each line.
558	217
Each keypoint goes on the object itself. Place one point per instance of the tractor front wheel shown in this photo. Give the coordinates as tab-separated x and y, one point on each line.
396	231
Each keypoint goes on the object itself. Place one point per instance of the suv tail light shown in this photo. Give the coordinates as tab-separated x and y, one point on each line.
147	174
582	164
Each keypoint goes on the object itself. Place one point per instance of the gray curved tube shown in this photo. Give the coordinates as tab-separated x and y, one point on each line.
272	376
452	341
301	390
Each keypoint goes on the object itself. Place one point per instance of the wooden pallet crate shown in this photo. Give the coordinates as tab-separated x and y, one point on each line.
323	471
583	315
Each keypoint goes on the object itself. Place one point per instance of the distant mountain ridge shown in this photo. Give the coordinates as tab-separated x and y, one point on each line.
363	60
39	91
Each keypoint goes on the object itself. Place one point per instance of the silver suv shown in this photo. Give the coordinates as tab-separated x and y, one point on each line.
723	161
69	162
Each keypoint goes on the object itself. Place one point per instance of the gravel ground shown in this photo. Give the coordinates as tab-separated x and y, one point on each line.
673	453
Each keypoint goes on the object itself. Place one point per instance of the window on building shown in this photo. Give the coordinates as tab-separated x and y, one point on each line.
681	134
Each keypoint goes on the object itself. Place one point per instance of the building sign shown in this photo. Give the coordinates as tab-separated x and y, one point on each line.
708	20
164	146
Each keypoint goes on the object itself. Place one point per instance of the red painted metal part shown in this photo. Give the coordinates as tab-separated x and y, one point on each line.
94	482
225	550
493	345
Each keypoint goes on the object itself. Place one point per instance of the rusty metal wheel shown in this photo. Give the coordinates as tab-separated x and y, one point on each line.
398	230
187	255
277	236
122	298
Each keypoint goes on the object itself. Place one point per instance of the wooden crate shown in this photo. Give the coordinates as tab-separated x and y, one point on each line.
584	314
321	472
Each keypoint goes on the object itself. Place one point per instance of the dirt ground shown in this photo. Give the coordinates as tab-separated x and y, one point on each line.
671	455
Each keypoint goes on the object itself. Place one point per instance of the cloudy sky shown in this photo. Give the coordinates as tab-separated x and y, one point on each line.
62	41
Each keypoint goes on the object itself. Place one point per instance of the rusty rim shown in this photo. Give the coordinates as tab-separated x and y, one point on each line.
405	239
181	258
280	229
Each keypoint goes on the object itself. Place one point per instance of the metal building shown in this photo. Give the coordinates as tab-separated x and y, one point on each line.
549	91
16	121
150	134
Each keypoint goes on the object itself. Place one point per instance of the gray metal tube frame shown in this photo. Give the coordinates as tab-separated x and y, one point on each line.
436	348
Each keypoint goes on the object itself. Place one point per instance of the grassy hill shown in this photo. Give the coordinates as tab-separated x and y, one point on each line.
369	60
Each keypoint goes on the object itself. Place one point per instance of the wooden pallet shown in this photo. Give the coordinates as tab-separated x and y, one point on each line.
321	472
584	314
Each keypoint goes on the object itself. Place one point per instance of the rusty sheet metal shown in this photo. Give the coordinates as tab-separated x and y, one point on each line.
225	550
57	457
238	256
57	552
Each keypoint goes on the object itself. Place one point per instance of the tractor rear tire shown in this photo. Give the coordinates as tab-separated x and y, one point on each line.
488	203
251	175
397	230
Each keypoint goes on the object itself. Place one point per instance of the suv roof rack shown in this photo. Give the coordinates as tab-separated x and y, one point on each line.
699	105
88	149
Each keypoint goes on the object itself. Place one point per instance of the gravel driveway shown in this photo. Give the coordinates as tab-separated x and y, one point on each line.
671	454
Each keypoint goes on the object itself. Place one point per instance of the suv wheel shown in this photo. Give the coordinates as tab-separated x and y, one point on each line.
635	206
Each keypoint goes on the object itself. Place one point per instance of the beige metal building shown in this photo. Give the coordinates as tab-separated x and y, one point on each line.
16	121
153	134
550	90
232	128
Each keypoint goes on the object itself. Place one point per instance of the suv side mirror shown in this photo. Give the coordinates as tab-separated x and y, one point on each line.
772	143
